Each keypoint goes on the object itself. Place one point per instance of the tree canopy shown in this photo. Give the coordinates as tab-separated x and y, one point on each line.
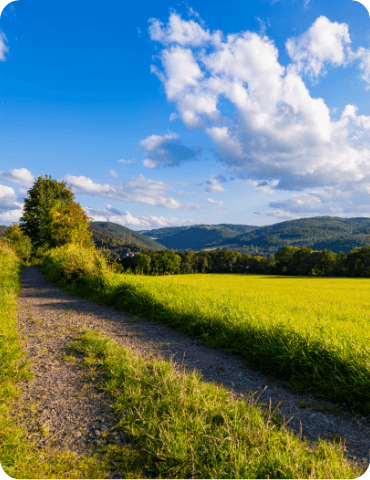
39	200
65	223
52	218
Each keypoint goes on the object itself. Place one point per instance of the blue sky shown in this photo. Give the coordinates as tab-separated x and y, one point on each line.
172	113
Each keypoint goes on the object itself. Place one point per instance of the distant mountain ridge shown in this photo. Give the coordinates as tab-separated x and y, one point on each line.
126	233
333	233
196	236
318	233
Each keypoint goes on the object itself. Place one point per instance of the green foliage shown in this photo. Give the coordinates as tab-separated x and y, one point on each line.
161	233
112	244
195	237
75	265
126	233
296	329
19	241
186	428
318	233
288	261
64	223
40	198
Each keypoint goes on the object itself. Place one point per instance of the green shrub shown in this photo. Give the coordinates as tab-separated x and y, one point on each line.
19	241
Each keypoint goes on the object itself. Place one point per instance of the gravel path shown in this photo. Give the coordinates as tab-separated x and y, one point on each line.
71	414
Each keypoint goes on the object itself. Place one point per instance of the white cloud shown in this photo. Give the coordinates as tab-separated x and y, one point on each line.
126	219
10	208
7	197
363	55
275	134
180	31
4	49
324	42
19	176
138	189
149	163
155	142
347	201
166	150
264	186
214	202
128	162
113	173
212	185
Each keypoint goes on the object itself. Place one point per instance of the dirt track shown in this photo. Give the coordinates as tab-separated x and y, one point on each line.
71	413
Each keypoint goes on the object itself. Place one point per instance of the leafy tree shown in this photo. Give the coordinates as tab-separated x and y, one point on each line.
65	223
201	262
143	263
20	242
284	258
40	197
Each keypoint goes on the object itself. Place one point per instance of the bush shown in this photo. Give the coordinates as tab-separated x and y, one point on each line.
19	241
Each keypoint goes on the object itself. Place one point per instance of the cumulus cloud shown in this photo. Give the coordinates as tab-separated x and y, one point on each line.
324	43
180	32
138	189
277	135
113	173
126	219
165	150
4	49
10	207
348	200
214	202
19	176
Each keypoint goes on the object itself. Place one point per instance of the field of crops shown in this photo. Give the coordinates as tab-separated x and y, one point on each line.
313	331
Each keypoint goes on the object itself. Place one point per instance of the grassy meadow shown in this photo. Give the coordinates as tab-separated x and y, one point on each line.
314	332
179	426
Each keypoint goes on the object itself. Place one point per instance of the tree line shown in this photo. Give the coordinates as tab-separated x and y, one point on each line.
287	261
51	218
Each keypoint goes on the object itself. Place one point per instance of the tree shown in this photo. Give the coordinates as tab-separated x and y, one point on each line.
65	223
40	197
284	258
143	263
20	241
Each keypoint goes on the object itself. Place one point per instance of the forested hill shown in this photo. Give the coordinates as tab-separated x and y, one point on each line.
127	234
195	236
333	233
160	233
112	243
318	233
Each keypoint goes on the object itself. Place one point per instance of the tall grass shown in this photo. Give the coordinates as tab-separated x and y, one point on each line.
313	332
19	457
179	426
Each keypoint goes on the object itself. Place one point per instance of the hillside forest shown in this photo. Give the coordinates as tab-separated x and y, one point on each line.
52	218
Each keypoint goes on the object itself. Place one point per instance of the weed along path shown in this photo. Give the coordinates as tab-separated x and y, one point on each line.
63	408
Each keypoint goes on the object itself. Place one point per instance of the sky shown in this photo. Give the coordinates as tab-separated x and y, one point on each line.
172	113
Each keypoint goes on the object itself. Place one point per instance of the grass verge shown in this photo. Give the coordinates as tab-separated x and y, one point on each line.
328	354
185	428
180	427
19	457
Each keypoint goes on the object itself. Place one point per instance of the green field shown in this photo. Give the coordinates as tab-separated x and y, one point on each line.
313	332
